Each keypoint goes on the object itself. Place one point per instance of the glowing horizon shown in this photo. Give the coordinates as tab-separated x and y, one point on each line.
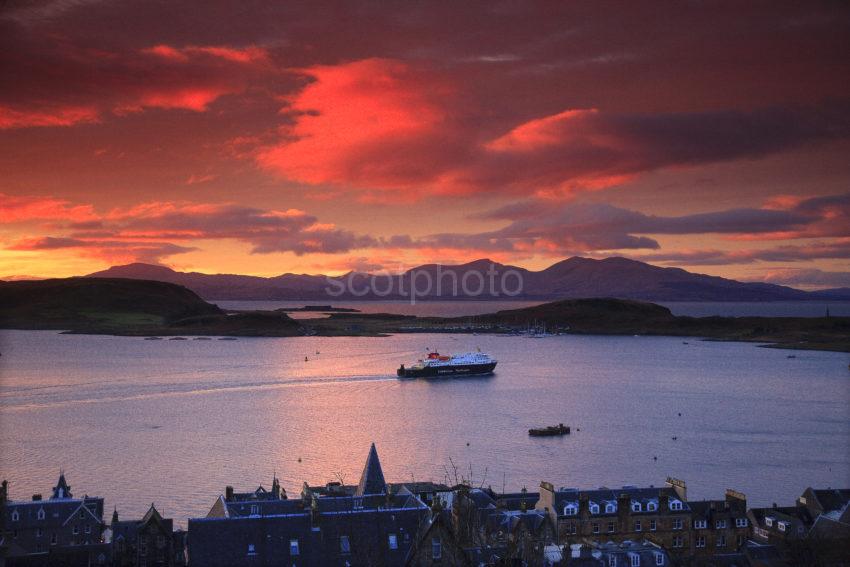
279	139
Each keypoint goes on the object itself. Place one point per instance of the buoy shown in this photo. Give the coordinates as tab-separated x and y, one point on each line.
306	359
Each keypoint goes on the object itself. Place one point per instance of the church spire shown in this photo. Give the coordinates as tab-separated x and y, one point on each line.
372	479
62	489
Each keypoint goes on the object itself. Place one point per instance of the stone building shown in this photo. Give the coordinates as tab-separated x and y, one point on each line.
371	526
719	527
661	515
60	530
149	542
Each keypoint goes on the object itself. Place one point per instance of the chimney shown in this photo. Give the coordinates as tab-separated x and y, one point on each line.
663	501
624	506
228	493
4	491
583	505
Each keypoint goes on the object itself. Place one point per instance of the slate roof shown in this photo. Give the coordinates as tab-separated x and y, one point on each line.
832	499
602	495
372	478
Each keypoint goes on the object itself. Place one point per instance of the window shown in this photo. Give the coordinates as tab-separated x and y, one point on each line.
700	541
15	516
652	506
659	559
570	510
594	508
721	541
740	522
436	549
160	541
596	527
40	514
39	532
88	528
636	507
638	526
76	530
255	510
781	526
635	559
293	547
143	546
344	544
677	541
571	528
53	539
768	521
612	561
393	541
610	527
653	525
700	524
82	514
677	523
610	508
251	550
720	524
675	504
740	541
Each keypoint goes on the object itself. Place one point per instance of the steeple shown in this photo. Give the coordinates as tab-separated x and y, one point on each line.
275	487
372	479
114	516
61	490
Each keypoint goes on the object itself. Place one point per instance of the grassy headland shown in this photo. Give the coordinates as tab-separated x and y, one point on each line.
140	308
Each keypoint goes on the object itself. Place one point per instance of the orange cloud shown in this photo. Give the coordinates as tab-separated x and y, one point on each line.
25	208
370	123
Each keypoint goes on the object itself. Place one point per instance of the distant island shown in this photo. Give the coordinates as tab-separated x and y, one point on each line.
572	278
149	308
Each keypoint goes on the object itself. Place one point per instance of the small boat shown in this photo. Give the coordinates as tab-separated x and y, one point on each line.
227	338
153	338
559	429
178	339
792	356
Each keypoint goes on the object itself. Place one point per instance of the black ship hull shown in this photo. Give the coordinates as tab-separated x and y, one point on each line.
447	371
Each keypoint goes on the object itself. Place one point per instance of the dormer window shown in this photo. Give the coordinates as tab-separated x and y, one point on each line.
594	508
768	521
636	507
40	514
782	526
15	516
675	505
652	506
570	510
610	507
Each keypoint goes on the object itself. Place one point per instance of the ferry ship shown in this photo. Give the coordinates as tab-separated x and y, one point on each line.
437	365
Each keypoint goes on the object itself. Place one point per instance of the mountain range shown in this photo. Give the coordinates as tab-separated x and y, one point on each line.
575	277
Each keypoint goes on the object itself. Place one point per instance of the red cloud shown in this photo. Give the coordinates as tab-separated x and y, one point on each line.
68	84
24	208
372	123
61	116
383	125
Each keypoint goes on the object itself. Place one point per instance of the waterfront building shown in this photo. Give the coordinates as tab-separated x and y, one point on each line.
372	525
719	527
659	514
59	530
149	542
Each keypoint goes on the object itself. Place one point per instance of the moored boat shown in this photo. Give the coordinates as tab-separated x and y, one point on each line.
559	429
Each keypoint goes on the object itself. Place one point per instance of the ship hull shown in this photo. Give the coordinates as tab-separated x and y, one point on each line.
447	371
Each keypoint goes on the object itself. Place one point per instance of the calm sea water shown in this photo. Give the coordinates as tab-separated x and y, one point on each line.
464	308
175	421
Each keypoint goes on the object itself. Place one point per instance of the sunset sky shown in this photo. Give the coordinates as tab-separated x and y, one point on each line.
271	137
